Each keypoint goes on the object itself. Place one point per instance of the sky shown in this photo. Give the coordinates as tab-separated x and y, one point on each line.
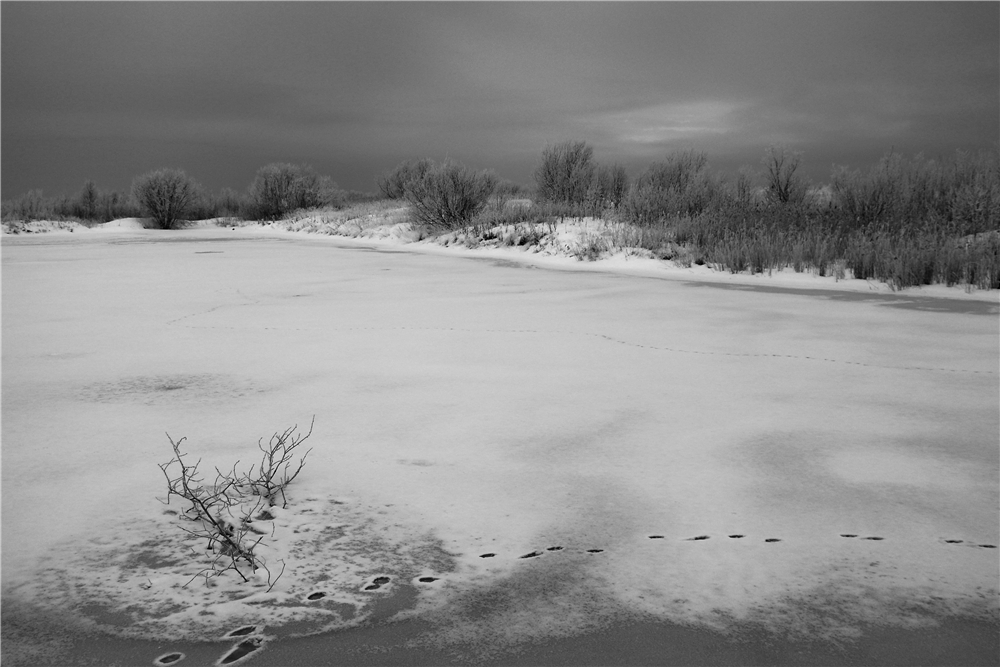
108	91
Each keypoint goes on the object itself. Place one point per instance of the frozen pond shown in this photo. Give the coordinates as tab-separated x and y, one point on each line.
631	451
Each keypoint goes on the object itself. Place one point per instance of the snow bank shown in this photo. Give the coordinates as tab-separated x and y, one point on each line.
125	224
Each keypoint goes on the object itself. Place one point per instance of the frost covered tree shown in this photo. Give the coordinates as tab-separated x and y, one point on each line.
165	195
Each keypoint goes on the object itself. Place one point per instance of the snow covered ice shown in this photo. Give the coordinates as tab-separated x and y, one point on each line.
658	444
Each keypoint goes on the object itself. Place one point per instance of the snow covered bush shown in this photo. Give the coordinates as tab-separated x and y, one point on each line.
165	195
223	513
449	195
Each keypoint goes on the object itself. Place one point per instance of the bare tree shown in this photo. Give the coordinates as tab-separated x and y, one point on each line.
165	195
783	185
87	201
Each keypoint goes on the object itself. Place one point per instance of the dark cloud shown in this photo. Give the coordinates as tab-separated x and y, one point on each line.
108	90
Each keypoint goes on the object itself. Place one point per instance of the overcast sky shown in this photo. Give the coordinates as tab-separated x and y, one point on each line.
106	91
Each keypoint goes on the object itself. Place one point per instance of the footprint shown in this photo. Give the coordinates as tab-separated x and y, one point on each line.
316	596
697	537
554	549
169	659
988	546
656	537
848	534
381	580
487	555
954	541
873	538
595	551
533	554
737	536
242	650
372	587
242	632
773	539
427	580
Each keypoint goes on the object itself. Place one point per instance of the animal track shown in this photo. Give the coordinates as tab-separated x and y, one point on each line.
244	631
377	583
169	659
242	650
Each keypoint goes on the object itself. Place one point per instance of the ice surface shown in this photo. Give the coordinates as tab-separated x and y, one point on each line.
465	408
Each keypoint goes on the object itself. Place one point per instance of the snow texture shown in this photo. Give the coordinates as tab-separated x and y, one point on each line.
535	452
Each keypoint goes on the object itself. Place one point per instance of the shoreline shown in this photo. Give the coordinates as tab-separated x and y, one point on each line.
390	239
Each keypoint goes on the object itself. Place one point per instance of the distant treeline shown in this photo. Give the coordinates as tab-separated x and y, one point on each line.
277	189
905	221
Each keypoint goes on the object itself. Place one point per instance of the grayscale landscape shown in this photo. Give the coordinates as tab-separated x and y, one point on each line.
557	369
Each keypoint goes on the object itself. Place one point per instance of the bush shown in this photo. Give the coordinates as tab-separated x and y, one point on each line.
27	207
961	194
224	513
609	188
393	183
565	174
449	195
165	195
679	186
281	188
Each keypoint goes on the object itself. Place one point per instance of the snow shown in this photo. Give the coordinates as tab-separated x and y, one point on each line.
507	406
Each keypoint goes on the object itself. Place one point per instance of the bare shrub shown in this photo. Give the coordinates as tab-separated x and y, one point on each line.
274	471
609	187
678	186
566	173
280	188
449	195
224	512
26	207
165	195
393	183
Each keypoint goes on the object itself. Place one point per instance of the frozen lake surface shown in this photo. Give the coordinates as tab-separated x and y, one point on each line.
632	451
